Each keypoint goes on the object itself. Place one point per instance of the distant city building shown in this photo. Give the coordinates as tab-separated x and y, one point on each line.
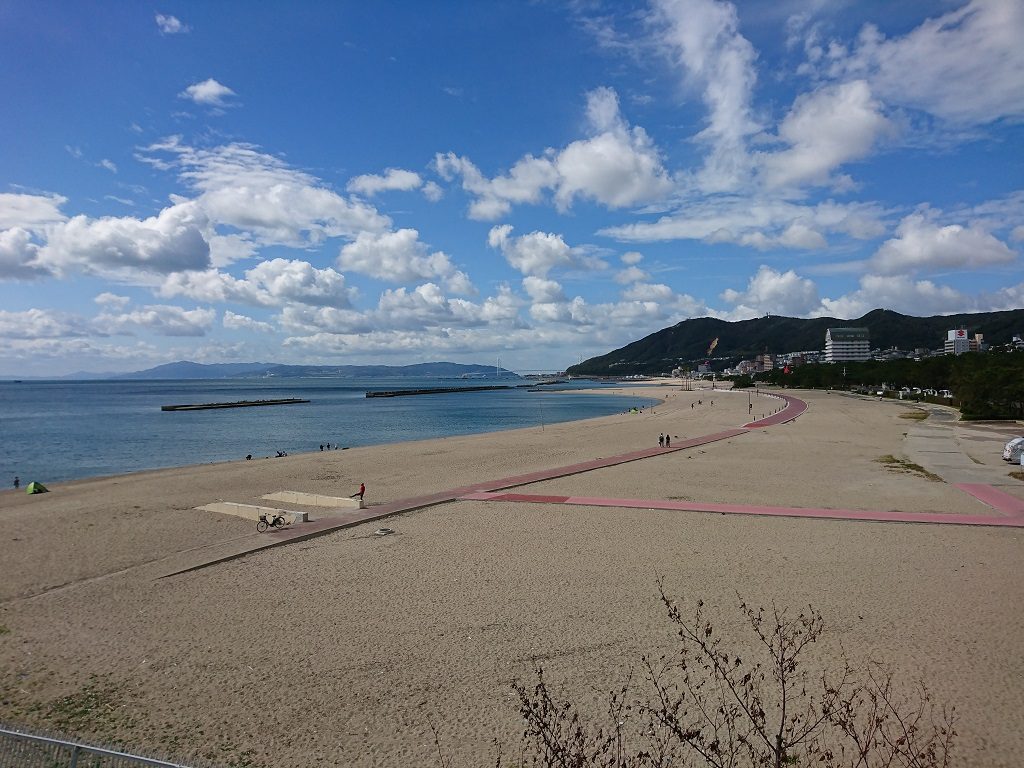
764	363
958	342
842	344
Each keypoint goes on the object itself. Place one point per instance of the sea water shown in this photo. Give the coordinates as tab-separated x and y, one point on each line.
54	431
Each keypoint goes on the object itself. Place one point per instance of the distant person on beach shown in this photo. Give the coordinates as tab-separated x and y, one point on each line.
668	440
17	482
661	440
360	492
321	447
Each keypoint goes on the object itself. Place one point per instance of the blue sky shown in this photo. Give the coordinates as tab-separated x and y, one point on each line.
400	182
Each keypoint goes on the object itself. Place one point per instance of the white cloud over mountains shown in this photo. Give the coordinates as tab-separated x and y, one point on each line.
766	167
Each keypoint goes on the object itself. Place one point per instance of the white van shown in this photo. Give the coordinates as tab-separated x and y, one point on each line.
1014	449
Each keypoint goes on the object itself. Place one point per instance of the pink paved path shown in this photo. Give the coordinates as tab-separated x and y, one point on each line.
792	408
743	509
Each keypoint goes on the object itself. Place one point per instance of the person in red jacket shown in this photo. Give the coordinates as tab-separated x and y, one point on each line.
360	492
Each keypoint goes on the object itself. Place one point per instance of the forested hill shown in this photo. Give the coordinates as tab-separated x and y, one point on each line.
689	340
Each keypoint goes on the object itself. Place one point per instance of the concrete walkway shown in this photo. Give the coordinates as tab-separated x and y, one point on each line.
221	552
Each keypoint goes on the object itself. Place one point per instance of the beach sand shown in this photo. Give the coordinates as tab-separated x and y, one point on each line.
343	649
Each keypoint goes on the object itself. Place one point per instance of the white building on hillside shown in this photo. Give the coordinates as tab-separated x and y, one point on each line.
847	344
958	342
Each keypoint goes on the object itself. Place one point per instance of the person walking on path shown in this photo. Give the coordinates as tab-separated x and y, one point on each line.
360	492
661	440
17	482
668	440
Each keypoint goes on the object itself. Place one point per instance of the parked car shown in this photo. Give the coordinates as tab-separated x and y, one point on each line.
1014	449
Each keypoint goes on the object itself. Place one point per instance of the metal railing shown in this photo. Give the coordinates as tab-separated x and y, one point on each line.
19	749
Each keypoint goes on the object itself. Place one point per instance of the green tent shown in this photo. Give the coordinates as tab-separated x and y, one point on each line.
35	487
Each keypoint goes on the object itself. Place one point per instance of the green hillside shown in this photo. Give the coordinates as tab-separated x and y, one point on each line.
687	342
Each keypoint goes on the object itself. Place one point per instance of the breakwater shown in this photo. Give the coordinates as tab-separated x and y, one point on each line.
235	404
449	390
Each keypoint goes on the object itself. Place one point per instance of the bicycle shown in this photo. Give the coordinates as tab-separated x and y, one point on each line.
270	521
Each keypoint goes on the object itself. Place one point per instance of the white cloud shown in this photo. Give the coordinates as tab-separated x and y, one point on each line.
536	253
18	256
631	275
236	322
108	164
784	293
272	283
40	324
617	166
923	245
524	183
824	130
162	320
900	293
393	179
107	299
168	242
31	212
170	25
208	93
543	291
702	37
432	191
761	222
260	195
399	257
964	66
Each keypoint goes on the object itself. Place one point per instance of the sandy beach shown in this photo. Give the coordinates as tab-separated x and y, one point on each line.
342	649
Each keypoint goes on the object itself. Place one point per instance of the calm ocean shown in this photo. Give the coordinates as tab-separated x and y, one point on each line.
53	431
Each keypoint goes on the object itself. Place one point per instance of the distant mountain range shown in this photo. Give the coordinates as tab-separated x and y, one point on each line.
189	370
688	341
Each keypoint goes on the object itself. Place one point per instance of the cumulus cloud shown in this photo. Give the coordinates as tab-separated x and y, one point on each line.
40	324
107	299
543	291
392	179
120	246
921	244
963	66
208	93
631	275
399	257
702	38
272	283
760	222
162	320
258	194
170	25
537	253
18	256
824	130
524	183
900	293
784	293
236	322
616	166
30	212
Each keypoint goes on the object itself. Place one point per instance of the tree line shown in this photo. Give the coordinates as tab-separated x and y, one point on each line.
987	385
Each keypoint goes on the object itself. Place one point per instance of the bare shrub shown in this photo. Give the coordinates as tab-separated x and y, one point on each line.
706	705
